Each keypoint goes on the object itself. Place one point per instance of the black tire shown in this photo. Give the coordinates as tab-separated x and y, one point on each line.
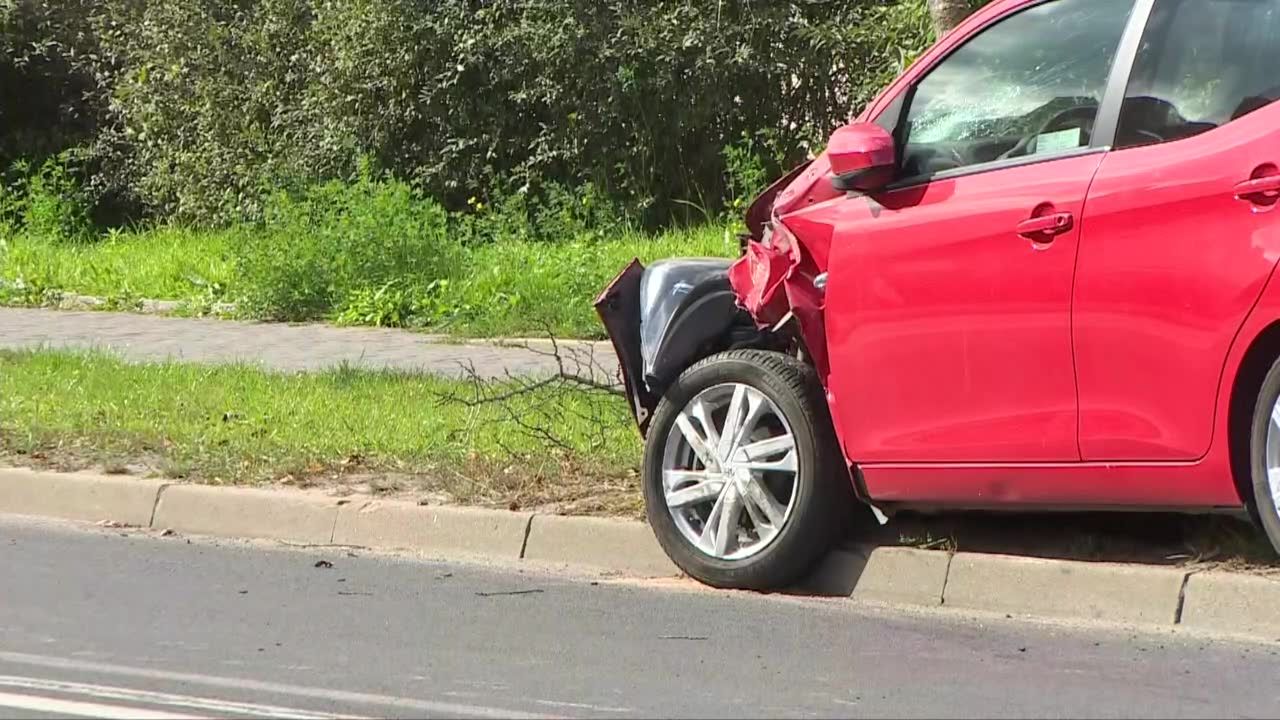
1263	507
824	495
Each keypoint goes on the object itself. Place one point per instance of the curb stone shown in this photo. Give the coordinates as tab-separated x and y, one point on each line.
891	575
1064	589
1230	603
904	576
469	531
79	496
159	307
1219	602
618	545
241	512
145	306
80	302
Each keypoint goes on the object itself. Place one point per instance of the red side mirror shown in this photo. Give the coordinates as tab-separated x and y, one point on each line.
863	157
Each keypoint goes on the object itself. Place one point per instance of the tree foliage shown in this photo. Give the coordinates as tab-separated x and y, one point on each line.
191	109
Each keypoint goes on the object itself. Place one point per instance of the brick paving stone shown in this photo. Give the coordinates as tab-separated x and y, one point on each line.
283	346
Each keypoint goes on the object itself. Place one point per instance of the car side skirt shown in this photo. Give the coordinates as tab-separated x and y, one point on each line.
1065	485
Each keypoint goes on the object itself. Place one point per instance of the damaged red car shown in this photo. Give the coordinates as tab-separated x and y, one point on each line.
1037	272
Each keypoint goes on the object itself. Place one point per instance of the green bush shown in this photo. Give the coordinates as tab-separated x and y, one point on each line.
555	214
194	107
45	202
324	251
322	257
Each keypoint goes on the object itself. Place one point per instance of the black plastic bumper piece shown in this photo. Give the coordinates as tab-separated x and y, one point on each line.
619	310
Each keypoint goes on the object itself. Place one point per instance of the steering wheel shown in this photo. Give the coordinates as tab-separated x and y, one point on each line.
1142	116
1083	115
1149	137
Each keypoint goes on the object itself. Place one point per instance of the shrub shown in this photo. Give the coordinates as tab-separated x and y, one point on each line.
45	202
553	214
195	106
333	247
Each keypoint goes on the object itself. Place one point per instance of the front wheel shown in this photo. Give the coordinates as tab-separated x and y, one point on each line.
1265	456
744	485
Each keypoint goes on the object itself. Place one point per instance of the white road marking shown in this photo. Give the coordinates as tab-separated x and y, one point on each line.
584	706
145	697
344	696
71	708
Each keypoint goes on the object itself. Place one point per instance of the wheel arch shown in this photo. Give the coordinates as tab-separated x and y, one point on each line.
1256	362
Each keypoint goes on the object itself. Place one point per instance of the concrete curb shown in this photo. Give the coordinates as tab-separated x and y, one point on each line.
615	545
901	575
1064	589
247	513
1217	602
79	496
445	530
1232	603
146	306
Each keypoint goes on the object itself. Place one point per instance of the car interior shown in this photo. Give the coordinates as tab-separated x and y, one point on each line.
1198	69
1003	138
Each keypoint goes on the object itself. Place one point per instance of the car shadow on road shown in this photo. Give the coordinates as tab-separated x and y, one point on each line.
1194	542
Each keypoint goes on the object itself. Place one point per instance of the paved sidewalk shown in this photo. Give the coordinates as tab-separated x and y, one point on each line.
280	346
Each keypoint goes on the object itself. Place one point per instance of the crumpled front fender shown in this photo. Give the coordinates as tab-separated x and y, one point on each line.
619	309
757	280
783	266
778	278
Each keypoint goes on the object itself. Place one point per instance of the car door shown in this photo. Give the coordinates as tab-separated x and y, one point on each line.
1179	233
949	299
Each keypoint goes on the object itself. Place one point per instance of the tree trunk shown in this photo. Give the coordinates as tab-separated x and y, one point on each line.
947	14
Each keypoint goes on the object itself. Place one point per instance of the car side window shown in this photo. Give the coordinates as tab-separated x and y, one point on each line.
1201	64
1029	85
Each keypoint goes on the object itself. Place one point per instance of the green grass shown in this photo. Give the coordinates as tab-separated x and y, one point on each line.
502	289
400	434
520	288
165	263
391	431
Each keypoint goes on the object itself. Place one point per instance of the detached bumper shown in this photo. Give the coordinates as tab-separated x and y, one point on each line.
664	318
619	310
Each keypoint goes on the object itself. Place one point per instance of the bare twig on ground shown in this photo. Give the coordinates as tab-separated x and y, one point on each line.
533	404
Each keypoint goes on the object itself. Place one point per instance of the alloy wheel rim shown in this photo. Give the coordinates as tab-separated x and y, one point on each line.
729	471
1273	455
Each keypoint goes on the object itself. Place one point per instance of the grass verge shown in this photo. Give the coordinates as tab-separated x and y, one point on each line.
505	288
165	263
383	432
521	288
406	435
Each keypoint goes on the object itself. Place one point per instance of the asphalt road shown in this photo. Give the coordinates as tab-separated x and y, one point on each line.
118	623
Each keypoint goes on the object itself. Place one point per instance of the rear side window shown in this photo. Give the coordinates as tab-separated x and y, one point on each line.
1202	64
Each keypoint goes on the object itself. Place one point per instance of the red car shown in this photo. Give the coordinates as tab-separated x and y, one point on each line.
1036	272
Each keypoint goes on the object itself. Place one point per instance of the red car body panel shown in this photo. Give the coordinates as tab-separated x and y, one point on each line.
967	364
952	328
1171	264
